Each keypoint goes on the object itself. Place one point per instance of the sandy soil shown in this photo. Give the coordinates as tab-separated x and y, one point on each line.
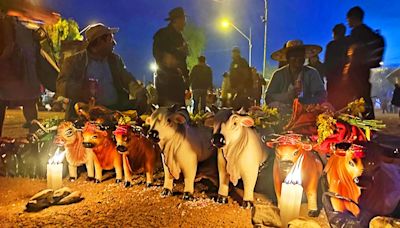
108	204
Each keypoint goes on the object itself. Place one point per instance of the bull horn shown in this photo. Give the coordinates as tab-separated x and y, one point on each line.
40	125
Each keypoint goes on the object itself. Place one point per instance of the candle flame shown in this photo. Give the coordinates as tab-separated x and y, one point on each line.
58	157
294	175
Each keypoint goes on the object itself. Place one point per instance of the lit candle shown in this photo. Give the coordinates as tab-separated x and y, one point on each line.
54	175
55	170
291	194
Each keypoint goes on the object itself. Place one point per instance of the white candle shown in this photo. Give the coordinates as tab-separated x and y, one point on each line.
54	176
55	170
291	195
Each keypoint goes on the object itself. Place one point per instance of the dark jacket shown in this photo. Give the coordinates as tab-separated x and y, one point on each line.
201	77
170	87
168	40
240	76
72	81
335	59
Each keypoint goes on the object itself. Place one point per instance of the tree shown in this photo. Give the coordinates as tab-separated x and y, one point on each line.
197	42
63	30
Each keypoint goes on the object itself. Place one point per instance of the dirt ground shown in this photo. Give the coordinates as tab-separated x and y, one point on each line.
111	205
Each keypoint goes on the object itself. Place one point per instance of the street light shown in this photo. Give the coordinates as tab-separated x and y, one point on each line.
265	21
154	68
226	24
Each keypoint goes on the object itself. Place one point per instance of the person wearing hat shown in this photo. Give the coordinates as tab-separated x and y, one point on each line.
240	80
100	73
295	80
200	83
170	51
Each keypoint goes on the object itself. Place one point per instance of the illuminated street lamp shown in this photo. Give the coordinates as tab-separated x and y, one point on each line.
154	68
226	24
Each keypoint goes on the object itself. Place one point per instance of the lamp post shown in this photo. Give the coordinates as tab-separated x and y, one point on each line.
264	20
154	68
226	24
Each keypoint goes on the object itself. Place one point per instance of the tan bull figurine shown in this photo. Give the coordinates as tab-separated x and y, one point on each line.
183	146
76	154
105	151
241	154
288	149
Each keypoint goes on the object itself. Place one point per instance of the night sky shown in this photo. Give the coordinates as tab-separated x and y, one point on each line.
308	20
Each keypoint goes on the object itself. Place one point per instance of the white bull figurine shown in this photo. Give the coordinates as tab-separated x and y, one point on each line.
241	154
183	146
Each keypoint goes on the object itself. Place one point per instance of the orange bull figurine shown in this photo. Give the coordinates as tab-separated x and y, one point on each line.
343	169
106	155
76	155
138	153
288	150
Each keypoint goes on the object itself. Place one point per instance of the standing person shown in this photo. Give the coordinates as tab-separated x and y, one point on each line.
240	80
335	59
226	91
200	83
19	84
258	83
100	73
367	47
314	61
170	51
396	96
295	80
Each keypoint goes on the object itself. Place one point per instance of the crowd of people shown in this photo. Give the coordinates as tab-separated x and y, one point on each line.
98	72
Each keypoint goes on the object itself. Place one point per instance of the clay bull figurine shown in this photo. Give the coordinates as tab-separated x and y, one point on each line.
105	151
241	154
139	154
183	146
288	149
76	154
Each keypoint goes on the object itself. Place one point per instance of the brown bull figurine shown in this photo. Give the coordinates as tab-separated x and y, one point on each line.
106	155
139	154
76	154
288	149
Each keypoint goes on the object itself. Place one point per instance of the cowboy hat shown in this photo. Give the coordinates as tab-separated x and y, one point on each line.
97	30
177	12
310	50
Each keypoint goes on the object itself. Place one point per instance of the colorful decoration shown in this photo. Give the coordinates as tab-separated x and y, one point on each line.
264	116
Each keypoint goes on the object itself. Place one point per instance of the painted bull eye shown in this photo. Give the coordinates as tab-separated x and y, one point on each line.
351	163
68	133
296	152
94	137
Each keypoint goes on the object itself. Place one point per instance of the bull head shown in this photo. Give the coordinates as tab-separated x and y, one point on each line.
289	147
121	135
167	121
93	135
229	129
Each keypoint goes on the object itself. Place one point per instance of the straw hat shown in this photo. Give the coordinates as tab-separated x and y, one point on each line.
310	50
95	31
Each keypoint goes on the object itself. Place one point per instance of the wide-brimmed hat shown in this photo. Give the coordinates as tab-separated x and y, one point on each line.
310	50
177	12
97	30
